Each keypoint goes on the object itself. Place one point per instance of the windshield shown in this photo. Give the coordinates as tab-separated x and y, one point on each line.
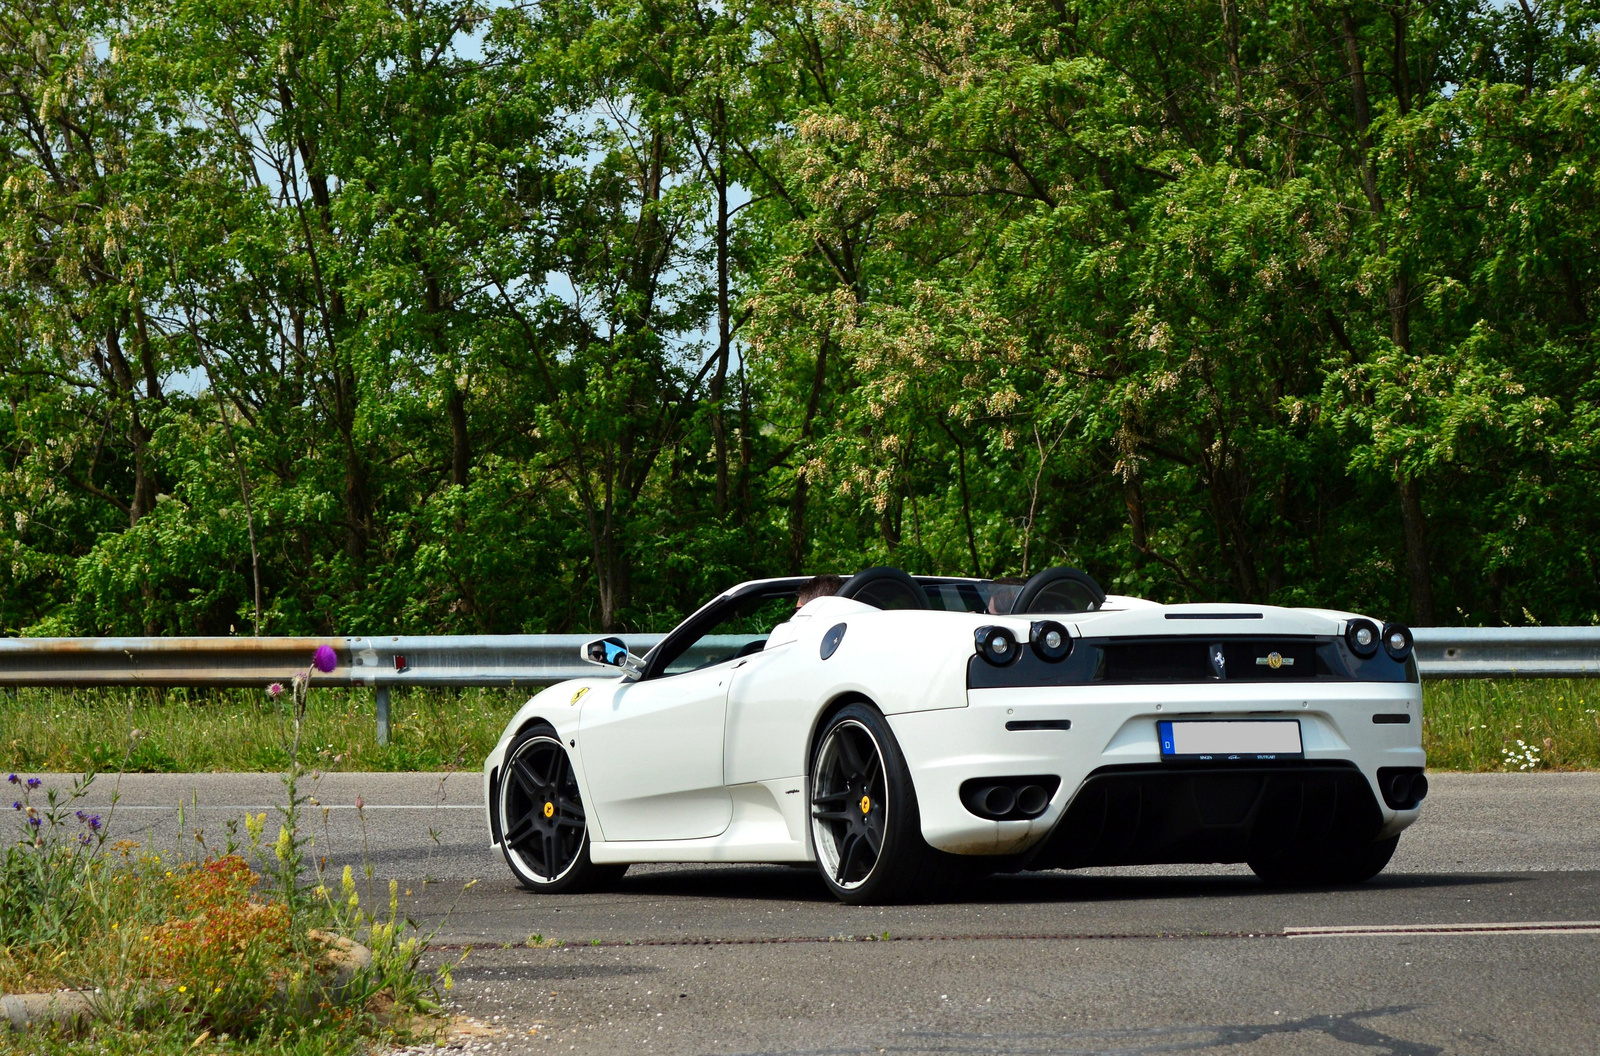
742	630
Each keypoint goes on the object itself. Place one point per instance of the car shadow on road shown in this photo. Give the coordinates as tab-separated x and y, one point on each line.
801	884
1066	887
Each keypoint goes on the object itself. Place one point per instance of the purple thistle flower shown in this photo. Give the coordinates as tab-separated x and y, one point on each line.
275	690
34	782
16	806
14	779
83	838
326	659
81	816
36	822
94	822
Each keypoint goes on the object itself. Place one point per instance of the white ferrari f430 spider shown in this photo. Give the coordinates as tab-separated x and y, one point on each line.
909	728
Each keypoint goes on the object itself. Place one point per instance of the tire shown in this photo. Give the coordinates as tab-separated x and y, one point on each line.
544	830
864	818
1336	865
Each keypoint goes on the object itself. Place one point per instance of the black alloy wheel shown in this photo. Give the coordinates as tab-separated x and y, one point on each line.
865	824
849	804
544	831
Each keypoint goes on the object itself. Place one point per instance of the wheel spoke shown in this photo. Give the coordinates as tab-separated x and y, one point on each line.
551	866
847	856
519	832
849	753
830	797
526	777
874	839
567	817
869	773
832	815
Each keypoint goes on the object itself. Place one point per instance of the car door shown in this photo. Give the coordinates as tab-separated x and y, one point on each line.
652	749
652	755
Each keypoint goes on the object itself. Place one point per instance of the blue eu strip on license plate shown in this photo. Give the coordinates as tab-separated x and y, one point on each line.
1230	740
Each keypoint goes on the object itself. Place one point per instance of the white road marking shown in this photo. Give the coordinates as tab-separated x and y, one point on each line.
1511	927
308	806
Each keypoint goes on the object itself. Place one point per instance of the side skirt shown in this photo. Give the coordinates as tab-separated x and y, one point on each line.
769	825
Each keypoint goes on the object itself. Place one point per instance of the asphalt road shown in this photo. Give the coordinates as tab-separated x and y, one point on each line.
1483	936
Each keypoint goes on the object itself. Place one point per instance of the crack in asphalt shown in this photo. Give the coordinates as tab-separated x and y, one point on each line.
1343	1027
1517	928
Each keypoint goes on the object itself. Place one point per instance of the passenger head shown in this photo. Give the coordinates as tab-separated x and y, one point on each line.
818	587
1003	592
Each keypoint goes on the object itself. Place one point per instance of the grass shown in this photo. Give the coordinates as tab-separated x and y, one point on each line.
1512	724
1468	725
192	731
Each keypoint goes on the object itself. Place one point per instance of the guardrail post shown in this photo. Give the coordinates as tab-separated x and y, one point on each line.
383	715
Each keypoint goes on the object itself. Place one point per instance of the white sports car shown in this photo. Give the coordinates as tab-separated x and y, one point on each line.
908	728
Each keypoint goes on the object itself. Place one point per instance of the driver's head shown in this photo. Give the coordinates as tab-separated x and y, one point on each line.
818	587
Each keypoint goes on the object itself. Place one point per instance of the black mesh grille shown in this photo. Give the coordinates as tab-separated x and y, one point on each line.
1177	660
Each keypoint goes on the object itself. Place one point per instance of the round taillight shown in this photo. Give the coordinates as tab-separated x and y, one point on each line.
1397	640
1050	641
996	645
1362	636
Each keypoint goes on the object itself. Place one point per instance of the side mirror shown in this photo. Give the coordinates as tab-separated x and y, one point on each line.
611	652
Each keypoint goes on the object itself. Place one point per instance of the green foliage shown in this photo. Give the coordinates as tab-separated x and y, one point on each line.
360	318
196	731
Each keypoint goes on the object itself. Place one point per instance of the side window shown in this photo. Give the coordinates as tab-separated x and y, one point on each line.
742	630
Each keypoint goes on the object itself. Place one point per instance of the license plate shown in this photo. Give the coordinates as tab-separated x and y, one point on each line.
1231	739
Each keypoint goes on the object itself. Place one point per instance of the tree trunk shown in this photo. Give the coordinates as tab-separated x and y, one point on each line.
1398	302
460	443
797	523
1417	570
1133	499
966	504
143	499
724	336
1359	103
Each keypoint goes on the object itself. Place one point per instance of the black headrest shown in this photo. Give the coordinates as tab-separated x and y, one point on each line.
885	588
1059	589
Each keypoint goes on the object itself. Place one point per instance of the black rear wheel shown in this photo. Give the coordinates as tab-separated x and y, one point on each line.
1337	863
864	818
544	830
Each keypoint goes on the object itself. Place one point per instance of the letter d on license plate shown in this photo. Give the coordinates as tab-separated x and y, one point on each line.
1230	740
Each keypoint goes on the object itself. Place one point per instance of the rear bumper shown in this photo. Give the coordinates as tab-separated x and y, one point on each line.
1143	815
1209	813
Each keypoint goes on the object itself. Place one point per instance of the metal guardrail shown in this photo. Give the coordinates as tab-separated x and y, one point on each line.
533	660
508	660
1508	652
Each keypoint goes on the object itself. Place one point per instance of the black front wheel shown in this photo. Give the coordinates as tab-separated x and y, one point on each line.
544	830
864	818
